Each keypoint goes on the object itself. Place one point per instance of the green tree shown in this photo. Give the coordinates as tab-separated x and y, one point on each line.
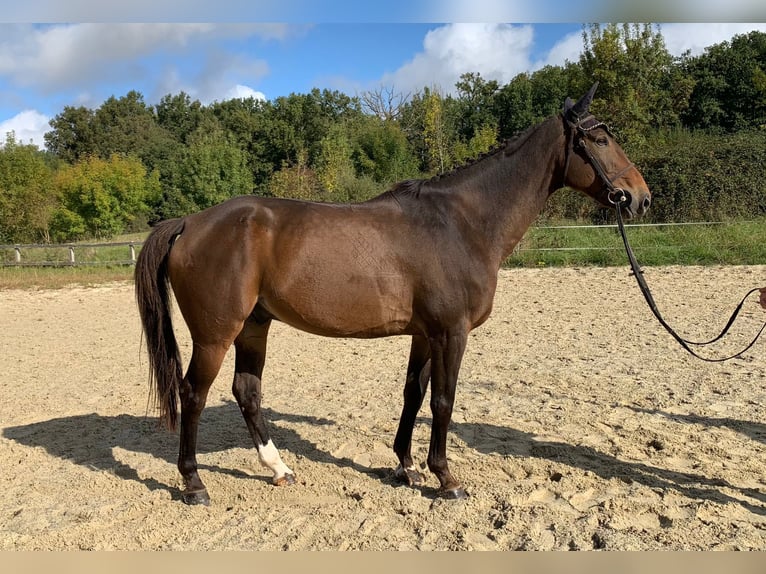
483	140
296	181
249	121
729	85
27	199
334	165
102	197
382	152
639	88
179	115
212	168
515	106
124	125
475	105
298	122
71	137
436	133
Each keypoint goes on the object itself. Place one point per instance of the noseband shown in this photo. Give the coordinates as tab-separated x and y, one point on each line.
578	135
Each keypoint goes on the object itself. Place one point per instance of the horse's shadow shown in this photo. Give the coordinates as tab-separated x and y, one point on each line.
89	440
753	430
488	438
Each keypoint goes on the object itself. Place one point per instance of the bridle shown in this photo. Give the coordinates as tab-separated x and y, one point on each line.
577	141
619	198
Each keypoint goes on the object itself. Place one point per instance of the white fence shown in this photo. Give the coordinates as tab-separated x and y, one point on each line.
68	254
60	255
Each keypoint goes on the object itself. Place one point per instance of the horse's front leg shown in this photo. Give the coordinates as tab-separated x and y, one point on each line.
418	375
446	356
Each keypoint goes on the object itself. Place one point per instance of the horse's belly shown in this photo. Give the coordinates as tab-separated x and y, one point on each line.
343	305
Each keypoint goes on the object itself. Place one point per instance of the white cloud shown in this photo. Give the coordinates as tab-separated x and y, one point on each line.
568	48
28	126
74	56
697	37
501	51
496	51
243	92
678	39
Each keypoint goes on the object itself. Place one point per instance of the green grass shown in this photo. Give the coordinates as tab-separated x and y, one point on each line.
731	243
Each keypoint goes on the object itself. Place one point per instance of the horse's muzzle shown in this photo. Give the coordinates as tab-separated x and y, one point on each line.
630	205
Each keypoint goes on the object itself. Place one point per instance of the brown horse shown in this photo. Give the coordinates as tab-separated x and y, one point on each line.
421	259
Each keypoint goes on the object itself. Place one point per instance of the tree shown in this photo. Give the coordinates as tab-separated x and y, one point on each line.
127	126
27	199
729	85
212	168
515	106
384	103
475	105
334	164
436	133
298	122
296	181
179	115
101	198
382	152
483	140
249	122
71	138
638	87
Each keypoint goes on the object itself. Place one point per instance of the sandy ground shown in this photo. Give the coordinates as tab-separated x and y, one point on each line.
579	424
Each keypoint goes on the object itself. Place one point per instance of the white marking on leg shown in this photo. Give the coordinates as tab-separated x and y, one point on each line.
269	457
410	474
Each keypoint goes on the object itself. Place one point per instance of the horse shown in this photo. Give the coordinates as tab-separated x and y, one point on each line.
419	260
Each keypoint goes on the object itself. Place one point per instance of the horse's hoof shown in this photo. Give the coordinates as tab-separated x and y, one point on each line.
452	493
409	476
195	497
285	480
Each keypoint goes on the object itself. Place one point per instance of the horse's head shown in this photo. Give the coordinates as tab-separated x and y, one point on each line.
596	164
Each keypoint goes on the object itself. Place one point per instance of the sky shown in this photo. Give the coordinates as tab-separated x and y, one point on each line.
44	68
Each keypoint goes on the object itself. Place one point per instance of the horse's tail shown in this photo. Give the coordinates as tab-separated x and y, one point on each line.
152	296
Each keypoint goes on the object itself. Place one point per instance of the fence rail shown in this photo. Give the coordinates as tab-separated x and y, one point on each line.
69	254
75	254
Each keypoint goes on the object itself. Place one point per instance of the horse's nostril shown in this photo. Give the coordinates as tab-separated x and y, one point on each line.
647	202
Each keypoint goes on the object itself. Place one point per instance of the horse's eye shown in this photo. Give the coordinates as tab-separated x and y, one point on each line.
602	141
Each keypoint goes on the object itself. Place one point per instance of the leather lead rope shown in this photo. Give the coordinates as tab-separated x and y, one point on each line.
618	197
685	343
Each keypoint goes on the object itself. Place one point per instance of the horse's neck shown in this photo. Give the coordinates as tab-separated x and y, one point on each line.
504	193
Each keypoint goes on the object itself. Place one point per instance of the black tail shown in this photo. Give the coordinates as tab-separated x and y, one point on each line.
152	296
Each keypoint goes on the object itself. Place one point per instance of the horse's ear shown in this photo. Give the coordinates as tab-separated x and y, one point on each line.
582	105
568	103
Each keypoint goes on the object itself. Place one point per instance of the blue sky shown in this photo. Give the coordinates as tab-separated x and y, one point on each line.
46	67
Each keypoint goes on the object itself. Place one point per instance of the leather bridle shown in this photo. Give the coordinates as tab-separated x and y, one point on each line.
579	129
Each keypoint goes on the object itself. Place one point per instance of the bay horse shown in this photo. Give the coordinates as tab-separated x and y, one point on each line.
421	259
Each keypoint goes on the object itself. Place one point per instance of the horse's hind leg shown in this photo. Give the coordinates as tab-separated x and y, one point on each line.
250	357
203	367
418	375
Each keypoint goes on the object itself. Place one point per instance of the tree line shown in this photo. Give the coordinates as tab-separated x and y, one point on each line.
694	125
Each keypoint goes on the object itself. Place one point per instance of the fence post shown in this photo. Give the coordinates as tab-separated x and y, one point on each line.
132	253
18	253
71	255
